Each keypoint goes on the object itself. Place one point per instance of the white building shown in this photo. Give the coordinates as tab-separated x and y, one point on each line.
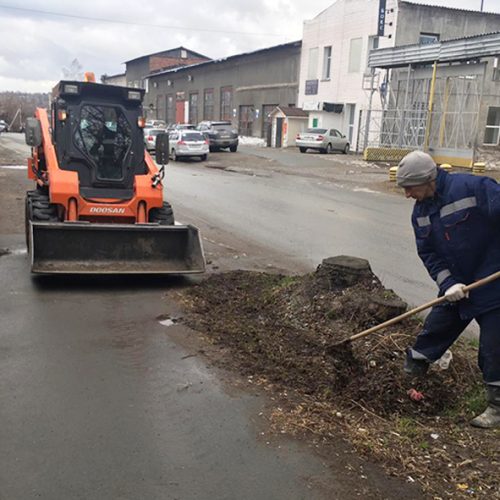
335	81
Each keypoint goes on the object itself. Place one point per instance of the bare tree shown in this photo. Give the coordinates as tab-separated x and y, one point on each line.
74	71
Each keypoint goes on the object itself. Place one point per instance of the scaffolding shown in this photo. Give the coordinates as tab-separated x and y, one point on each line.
432	102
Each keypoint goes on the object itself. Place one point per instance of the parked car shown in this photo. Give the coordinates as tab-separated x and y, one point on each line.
188	143
4	127
150	137
156	124
323	140
181	126
220	135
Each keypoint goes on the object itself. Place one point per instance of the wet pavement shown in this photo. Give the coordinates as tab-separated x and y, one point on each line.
96	401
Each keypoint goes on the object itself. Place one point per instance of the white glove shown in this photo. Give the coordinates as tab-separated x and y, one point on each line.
456	293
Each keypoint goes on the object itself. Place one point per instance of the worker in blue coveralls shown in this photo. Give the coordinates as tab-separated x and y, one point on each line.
456	220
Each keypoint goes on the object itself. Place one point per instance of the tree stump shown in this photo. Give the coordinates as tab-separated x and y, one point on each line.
343	271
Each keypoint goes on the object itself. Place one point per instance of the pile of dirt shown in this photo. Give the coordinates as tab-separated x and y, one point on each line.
279	330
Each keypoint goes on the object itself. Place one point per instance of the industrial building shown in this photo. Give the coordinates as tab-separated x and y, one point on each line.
243	89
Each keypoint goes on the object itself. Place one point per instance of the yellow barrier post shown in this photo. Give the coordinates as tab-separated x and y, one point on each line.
478	168
392	174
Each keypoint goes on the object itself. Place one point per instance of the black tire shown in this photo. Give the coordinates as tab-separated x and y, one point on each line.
203	157
322	151
233	149
346	149
163	216
302	150
174	155
38	208
27	217
329	149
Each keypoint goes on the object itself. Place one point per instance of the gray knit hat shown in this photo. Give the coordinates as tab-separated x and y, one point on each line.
416	168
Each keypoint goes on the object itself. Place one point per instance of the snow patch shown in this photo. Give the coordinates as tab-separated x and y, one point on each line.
252	141
14	167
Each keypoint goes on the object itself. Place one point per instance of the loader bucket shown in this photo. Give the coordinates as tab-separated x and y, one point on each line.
84	248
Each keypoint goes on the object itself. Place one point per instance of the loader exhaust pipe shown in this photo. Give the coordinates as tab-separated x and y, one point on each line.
84	248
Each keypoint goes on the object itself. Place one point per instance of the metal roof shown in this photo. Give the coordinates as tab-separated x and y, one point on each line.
167	51
297	43
474	11
460	49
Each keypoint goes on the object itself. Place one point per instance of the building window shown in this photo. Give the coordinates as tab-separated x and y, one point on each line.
492	131
208	104
496	71
355	48
193	108
226	102
373	43
427	38
184	54
170	109
327	62
312	70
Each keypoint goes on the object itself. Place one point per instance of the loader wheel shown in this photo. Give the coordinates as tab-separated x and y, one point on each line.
42	210
163	216
31	196
27	217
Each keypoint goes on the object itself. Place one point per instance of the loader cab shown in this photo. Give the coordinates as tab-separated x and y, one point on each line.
96	132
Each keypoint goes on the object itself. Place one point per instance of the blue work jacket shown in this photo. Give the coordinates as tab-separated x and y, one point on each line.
458	237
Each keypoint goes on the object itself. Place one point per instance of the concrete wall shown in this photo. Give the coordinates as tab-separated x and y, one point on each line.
136	71
448	23
267	77
120	80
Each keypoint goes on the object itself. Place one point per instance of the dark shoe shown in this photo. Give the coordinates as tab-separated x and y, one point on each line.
490	418
415	367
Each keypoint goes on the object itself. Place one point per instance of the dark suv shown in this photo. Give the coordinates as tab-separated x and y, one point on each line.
220	135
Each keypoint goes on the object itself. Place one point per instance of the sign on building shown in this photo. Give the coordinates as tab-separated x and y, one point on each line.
311	87
381	17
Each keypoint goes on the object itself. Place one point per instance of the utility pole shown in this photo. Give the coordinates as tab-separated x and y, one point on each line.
482	5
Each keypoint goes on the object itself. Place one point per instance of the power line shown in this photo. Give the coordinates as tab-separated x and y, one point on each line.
131	23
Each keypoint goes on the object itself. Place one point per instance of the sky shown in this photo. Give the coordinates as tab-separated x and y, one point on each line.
40	38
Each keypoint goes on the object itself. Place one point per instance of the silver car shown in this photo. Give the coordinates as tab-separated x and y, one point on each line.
150	137
323	140
187	143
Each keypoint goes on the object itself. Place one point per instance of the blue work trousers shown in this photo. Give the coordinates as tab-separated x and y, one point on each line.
443	326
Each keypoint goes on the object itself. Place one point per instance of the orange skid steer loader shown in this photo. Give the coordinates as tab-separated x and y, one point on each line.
98	206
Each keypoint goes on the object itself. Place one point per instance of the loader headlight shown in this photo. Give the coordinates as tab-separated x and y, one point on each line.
134	95
70	89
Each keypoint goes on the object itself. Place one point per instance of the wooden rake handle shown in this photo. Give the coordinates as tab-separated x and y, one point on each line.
476	284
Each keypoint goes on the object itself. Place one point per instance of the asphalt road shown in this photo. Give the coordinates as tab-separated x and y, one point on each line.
100	400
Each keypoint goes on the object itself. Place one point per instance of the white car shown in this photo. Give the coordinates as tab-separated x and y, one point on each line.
150	137
187	143
323	140
3	126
